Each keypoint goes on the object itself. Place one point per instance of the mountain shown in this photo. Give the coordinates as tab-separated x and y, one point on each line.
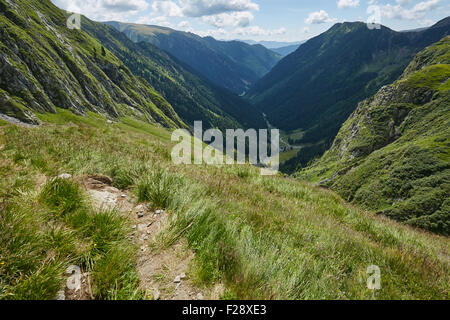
393	153
284	51
45	65
273	44
233	65
193	96
316	88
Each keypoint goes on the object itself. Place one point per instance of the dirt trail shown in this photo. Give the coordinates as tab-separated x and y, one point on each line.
164	272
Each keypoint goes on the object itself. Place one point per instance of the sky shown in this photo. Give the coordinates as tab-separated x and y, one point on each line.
274	20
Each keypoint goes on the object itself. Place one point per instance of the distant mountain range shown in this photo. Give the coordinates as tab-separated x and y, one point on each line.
393	154
273	44
282	48
233	65
316	88
284	51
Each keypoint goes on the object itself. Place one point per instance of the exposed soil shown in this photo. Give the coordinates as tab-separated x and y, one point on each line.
158	266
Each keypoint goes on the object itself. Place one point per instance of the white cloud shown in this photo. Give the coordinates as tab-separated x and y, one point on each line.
158	21
184	24
167	8
400	12
233	19
319	17
200	8
348	4
104	9
403	2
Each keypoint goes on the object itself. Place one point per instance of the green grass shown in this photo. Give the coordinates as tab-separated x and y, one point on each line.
435	77
44	231
262	237
158	187
285	156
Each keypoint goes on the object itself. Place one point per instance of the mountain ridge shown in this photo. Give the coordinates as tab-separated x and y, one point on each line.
316	88
233	65
393	153
129	79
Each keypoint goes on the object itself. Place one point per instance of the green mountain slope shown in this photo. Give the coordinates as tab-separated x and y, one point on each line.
233	65
192	96
393	154
251	237
316	88
45	66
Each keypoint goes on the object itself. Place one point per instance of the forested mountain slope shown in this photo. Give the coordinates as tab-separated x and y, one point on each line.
234	65
393	154
46	66
316	88
192	96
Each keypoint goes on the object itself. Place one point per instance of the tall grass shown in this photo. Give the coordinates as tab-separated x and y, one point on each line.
42	233
158	187
262	237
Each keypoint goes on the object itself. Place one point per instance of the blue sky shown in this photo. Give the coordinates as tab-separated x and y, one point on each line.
281	20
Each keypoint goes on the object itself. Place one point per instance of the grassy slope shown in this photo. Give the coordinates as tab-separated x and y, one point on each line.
45	65
393	154
263	237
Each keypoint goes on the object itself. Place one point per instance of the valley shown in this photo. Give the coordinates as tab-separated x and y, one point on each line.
89	186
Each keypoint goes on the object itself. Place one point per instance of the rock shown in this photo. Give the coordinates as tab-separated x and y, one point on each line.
182	276
178	285
144	237
109	122
123	196
65	176
140	210
177	279
159	211
134	227
142	227
103	199
143	248
199	296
